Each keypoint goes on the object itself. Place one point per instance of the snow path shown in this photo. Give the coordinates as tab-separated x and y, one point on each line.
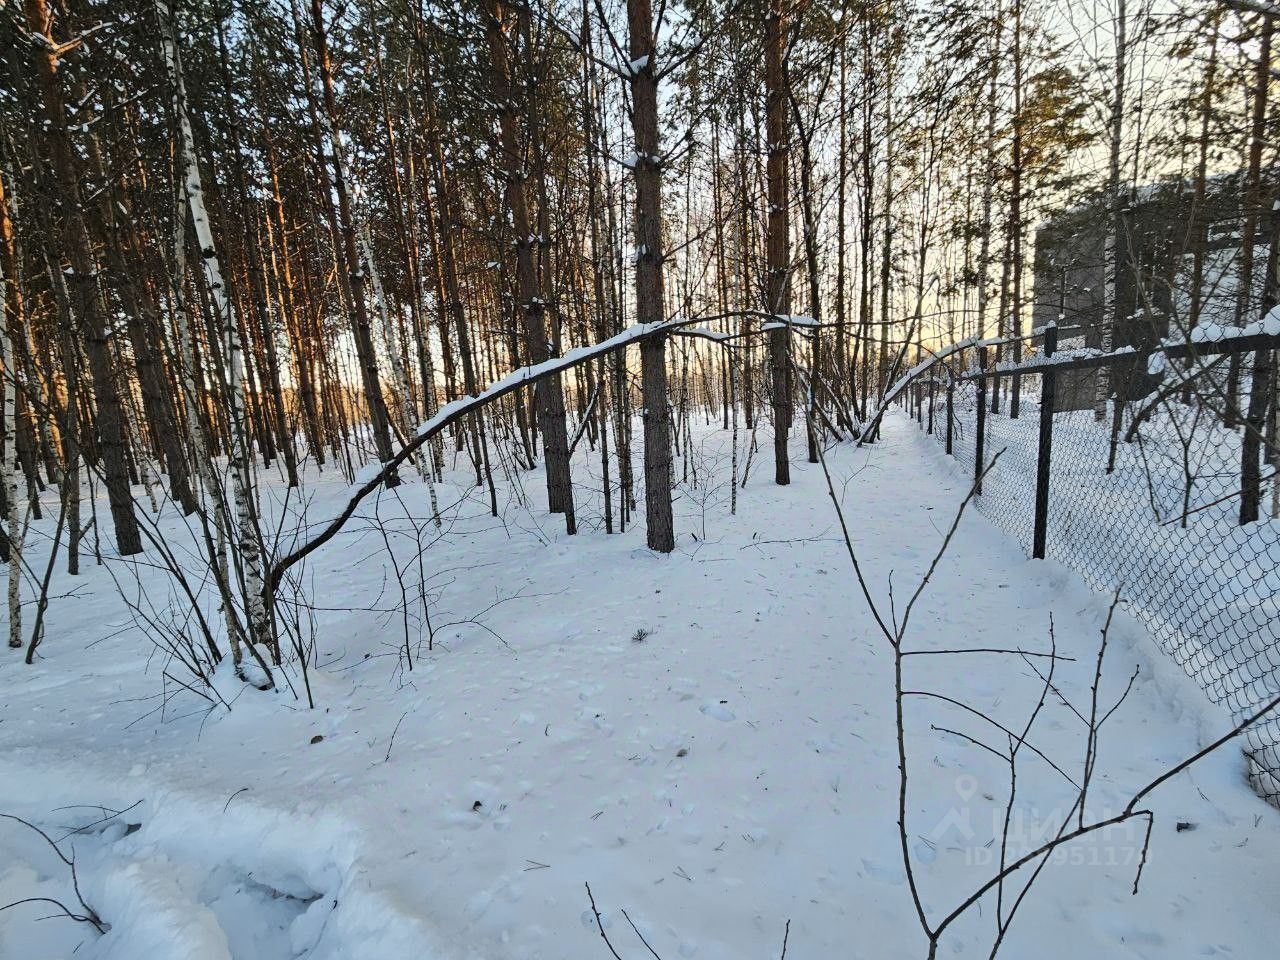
732	770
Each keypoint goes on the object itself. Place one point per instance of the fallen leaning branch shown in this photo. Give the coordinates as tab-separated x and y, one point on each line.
891	394
934	358
454	410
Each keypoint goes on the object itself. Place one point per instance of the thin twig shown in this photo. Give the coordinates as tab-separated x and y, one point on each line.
232	797
599	924
61	906
1019	652
392	742
640	935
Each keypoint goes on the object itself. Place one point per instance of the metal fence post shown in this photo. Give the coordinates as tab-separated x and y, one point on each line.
980	442
931	391
1048	385
951	390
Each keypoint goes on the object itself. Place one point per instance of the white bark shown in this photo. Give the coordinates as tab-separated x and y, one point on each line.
733	441
210	487
145	473
984	247
46	426
436	454
242	485
1111	245
10	467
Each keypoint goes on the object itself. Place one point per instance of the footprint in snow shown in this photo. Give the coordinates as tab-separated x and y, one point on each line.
924	853
885	873
717	711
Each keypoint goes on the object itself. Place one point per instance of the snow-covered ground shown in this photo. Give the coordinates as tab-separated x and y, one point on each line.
707	739
1163	528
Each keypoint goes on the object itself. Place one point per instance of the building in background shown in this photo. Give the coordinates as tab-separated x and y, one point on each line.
1157	250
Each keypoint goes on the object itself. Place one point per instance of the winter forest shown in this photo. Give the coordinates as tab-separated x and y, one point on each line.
719	479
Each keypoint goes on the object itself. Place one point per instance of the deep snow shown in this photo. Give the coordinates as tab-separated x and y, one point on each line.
730	771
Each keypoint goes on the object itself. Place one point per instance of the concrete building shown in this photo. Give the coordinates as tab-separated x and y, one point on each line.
1153	292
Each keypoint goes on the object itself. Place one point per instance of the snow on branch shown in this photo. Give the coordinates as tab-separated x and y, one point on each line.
781	320
628	70
372	476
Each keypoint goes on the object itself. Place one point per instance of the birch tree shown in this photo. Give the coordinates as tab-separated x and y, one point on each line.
248	545
9	469
1115	212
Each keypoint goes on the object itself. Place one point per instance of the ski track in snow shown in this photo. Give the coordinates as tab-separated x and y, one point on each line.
732	770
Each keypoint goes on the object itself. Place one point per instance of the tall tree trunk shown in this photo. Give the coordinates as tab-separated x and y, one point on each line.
809	212
778	236
9	465
886	247
360	327
71	452
1015	206
1259	399
746	295
643	73
86	304
248	544
548	396
1199	221
598	281
840	366
988	181
1115	215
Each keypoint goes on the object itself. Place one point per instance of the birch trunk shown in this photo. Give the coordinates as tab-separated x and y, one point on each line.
247	543
1111	251
9	470
989	150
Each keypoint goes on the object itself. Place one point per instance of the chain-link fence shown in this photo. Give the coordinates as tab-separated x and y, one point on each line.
1152	492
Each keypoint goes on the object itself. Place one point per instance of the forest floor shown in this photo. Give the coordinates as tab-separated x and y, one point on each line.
707	739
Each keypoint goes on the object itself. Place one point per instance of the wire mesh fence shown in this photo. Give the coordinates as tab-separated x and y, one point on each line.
1143	493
